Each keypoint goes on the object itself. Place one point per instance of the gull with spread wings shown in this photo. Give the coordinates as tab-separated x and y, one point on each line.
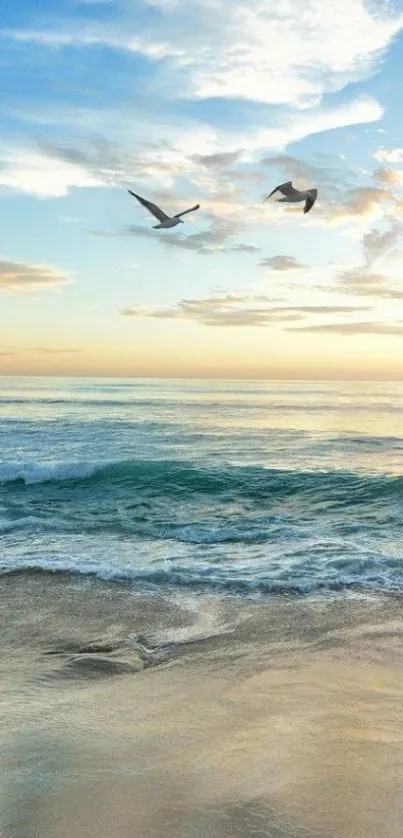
164	219
295	196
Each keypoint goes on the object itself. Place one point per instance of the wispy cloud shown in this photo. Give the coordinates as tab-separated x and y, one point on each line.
206	242
208	155
24	278
219	160
50	350
51	168
388	177
6	351
244	248
281	263
331	176
377	244
91	37
361	282
365	202
235	310
362	328
110	162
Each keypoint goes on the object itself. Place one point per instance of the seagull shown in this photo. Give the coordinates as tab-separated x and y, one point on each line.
164	219
295	196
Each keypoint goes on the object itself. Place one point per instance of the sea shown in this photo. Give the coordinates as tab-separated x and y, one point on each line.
230	488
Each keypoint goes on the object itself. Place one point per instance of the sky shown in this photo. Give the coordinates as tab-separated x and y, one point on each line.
212	102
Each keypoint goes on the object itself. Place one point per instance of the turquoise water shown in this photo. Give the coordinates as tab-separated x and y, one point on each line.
235	487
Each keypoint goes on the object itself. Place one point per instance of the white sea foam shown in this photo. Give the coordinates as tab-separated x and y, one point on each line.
31	473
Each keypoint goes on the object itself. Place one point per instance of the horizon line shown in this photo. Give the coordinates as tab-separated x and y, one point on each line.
202	378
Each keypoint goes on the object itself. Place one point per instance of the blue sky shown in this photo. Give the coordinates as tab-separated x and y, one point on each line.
212	102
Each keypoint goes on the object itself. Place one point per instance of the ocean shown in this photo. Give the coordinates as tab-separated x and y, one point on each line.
219	487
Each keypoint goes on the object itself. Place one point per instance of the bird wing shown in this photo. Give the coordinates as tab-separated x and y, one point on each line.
192	209
156	211
310	200
286	189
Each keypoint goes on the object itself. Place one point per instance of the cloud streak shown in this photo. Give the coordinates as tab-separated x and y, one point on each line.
4	351
49	350
25	278
235	310
362	328
361	282
205	243
281	263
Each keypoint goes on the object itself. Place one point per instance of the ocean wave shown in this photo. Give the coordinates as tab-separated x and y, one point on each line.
178	477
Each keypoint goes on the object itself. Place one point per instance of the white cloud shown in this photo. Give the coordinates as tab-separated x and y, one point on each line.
269	51
39	174
272	51
298	125
394	155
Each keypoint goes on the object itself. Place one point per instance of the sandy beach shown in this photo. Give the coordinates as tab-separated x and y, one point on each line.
129	716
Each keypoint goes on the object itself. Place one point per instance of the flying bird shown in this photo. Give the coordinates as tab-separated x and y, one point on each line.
164	219
295	196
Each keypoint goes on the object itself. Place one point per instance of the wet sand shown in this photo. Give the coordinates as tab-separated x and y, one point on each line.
126	716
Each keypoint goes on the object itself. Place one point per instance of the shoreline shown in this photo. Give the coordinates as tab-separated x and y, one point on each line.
141	586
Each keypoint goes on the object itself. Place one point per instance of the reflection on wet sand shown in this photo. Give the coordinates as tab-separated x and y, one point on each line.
281	719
